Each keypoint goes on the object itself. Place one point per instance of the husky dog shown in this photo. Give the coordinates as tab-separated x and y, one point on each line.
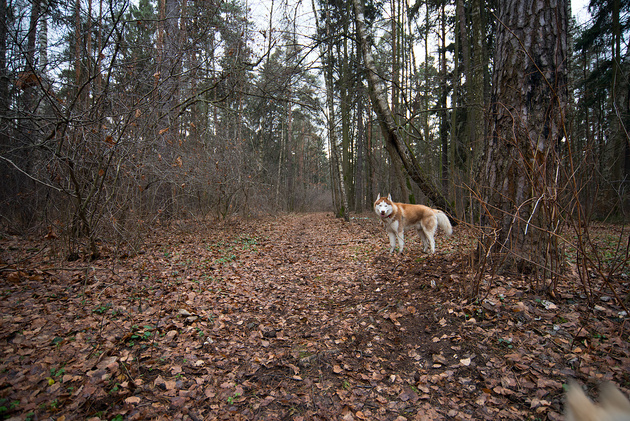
399	216
614	406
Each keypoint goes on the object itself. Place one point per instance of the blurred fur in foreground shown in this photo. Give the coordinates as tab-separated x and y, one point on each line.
613	405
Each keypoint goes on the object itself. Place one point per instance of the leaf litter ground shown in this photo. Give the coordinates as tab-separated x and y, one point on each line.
300	317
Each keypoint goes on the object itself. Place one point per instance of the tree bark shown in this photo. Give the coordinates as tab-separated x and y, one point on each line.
345	106
359	201
396	164
4	77
527	127
332	135
77	45
444	129
387	123
336	165
475	89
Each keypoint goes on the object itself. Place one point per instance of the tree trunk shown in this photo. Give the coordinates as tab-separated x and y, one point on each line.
618	131
371	173
520	162
386	120
336	165
426	127
475	75
169	98
359	201
397	165
456	134
280	165
99	48
290	157
4	77
77	45
345	106
444	129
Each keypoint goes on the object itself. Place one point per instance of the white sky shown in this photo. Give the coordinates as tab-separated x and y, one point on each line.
260	10
579	8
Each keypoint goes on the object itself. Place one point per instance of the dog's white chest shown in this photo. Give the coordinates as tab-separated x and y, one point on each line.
393	225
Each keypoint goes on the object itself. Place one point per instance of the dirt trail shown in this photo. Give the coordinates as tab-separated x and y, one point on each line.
294	317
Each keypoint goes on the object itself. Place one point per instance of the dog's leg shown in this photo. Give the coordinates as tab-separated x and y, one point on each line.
423	237
428	228
401	241
428	242
392	240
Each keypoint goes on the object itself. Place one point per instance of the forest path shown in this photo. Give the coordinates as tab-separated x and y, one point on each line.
301	317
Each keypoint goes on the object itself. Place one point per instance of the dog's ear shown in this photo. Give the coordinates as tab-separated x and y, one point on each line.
389	197
378	197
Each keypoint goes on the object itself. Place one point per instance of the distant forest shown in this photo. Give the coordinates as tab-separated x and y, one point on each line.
117	115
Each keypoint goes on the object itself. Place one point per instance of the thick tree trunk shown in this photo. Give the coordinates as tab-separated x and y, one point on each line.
529	98
388	125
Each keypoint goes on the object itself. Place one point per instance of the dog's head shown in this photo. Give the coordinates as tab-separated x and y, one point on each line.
383	206
614	406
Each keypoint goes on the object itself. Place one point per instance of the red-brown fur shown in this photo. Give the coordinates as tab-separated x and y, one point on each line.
397	217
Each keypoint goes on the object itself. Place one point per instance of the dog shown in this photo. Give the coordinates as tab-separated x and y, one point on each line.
614	406
399	216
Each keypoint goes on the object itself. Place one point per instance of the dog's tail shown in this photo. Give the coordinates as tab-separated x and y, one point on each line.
443	222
